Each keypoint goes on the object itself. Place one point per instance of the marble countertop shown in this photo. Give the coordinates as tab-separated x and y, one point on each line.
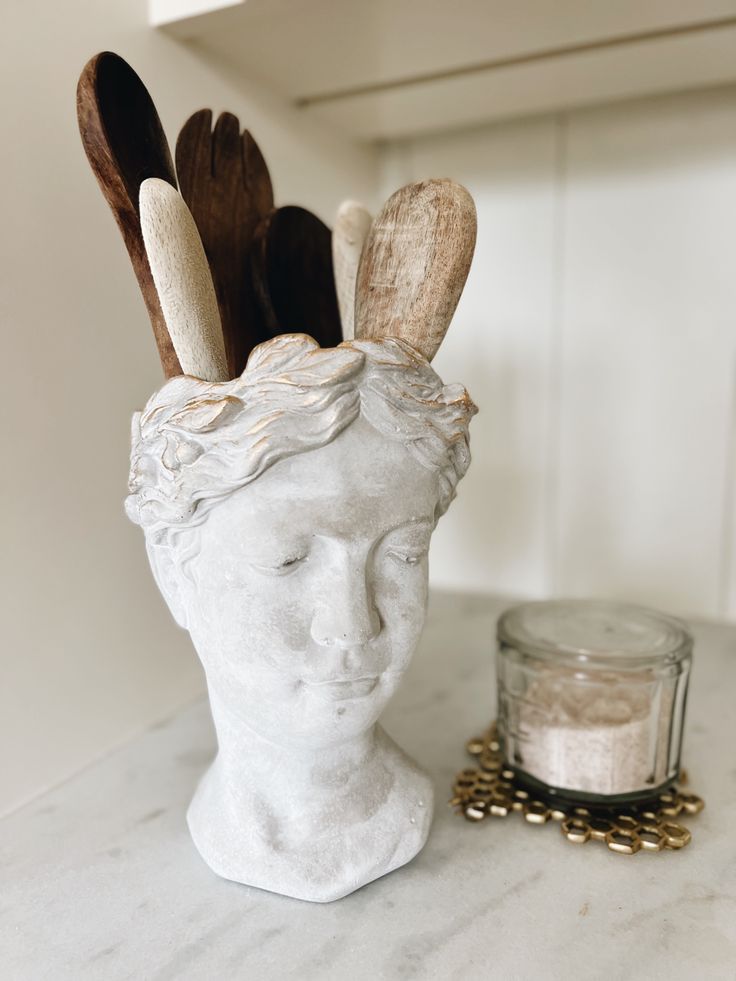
100	879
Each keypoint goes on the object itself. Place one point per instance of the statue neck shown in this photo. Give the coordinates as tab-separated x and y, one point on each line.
310	822
249	764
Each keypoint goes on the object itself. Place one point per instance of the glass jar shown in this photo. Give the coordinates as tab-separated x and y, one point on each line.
591	698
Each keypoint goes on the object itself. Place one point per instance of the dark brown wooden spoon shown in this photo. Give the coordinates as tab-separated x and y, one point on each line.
125	144
225	181
293	276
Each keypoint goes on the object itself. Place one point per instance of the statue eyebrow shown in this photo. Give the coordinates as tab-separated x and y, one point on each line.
411	523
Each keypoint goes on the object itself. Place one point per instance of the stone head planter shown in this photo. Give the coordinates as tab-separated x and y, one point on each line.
288	510
287	516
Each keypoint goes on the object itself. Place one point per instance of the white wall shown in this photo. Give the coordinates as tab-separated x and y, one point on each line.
89	654
597	334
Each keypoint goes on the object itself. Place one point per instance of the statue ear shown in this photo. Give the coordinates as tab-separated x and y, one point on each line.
169	577
414	264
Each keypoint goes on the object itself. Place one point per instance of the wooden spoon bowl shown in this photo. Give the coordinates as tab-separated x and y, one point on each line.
125	144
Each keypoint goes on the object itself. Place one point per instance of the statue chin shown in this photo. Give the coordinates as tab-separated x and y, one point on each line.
378	821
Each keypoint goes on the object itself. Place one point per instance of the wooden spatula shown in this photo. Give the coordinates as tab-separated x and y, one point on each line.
414	264
293	276
351	229
226	184
182	277
125	144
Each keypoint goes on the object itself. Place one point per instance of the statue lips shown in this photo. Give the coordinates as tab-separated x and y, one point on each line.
340	688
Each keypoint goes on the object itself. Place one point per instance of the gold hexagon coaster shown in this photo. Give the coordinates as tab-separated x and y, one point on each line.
492	789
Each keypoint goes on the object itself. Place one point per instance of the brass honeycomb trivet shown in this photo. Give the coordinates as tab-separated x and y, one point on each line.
492	789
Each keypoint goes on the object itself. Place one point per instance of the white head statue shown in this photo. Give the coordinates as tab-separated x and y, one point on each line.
287	516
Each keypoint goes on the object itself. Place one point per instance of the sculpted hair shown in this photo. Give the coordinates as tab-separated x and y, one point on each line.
197	442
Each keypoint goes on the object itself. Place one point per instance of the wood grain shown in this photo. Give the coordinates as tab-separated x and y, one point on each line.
351	229
293	276
226	184
415	261
182	277
125	143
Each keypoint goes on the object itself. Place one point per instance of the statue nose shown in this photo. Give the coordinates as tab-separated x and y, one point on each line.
346	616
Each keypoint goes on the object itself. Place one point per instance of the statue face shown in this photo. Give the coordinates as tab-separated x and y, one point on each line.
308	594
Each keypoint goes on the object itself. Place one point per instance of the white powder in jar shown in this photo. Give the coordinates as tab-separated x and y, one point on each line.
602	736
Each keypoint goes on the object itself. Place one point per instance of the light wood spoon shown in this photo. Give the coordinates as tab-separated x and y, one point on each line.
183	281
351	229
225	181
125	144
414	264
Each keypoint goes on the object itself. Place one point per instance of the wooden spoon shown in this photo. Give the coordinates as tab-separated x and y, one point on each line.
293	276
225	182
182	277
351	229
125	144
414	264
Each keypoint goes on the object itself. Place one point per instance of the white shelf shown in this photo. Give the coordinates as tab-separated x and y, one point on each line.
101	880
385	69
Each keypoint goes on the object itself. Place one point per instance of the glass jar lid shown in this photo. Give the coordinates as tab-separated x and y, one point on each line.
597	633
